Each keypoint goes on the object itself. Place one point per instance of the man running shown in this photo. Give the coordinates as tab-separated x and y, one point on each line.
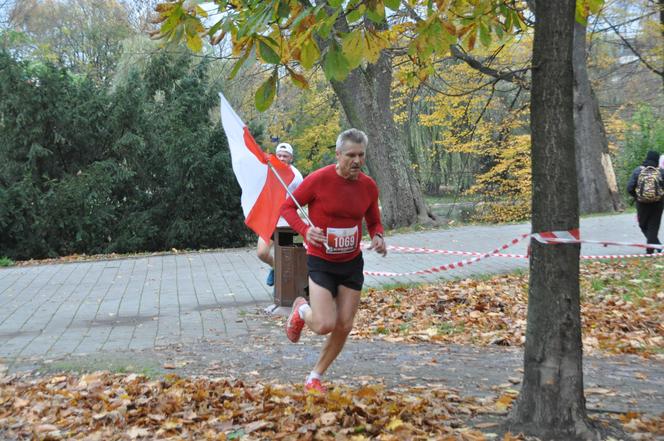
339	196
284	153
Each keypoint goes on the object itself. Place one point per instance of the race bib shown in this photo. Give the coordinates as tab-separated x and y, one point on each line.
341	240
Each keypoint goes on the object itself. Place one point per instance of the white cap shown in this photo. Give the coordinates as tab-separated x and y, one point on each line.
284	147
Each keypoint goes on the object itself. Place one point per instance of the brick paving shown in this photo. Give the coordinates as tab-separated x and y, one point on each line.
55	310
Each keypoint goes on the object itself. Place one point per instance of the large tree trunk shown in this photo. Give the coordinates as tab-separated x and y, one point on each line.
598	189
551	403
365	97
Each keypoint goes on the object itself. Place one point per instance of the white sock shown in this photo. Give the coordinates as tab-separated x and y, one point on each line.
313	375
303	310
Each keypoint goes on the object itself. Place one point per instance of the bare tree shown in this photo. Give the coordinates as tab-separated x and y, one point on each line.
6	6
84	36
140	14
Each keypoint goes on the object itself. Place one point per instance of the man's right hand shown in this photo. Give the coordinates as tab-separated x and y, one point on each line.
315	236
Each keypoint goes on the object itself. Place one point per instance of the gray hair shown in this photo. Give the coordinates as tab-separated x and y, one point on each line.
353	135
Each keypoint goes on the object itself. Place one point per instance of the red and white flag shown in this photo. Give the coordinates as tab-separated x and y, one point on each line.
262	193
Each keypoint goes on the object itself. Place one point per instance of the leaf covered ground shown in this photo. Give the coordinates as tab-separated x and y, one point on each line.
622	305
104	406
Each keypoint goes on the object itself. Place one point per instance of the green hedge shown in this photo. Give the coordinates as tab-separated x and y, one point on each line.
86	169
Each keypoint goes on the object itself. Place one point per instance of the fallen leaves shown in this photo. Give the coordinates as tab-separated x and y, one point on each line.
621	310
643	427
112	407
105	406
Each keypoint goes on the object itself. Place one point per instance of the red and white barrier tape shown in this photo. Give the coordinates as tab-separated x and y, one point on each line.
621	256
573	236
414	250
551	237
449	266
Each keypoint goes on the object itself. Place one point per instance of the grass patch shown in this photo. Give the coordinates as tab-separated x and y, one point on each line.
449	328
115	365
381	331
597	285
398	286
6	261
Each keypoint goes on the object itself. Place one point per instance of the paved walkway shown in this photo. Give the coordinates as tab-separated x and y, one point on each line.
50	311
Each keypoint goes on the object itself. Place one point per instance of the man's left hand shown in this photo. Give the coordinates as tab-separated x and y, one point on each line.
378	244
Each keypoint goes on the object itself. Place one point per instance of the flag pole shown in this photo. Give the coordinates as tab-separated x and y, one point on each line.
299	207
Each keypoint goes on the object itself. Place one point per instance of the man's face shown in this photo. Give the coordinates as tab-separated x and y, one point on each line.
350	159
284	157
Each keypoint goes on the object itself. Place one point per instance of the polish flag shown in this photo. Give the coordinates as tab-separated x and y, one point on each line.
262	193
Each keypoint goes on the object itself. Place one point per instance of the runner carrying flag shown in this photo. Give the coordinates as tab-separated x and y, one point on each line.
339	197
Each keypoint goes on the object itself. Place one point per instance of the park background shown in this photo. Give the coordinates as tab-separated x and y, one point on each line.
112	143
119	150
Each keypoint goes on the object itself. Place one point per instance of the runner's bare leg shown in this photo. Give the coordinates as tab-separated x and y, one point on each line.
322	316
347	302
263	251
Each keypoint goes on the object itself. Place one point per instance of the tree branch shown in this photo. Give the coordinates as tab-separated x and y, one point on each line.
633	49
508	75
411	11
631	20
491	83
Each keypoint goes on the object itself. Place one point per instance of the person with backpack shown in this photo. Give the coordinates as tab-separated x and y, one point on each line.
646	186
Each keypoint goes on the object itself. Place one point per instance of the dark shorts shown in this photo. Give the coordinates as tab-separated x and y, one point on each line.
330	275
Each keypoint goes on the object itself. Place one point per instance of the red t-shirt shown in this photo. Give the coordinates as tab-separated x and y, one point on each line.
337	206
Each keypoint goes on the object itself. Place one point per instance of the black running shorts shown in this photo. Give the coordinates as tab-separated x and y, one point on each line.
330	275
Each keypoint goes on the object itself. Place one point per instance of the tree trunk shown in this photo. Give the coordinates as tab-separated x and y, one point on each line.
598	189
435	178
551	403
365	98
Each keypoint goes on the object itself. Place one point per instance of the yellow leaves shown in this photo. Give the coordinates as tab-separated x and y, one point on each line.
584	8
309	53
394	424
374	44
629	416
462	126
432	38
376	10
353	45
369	391
504	402
616	127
